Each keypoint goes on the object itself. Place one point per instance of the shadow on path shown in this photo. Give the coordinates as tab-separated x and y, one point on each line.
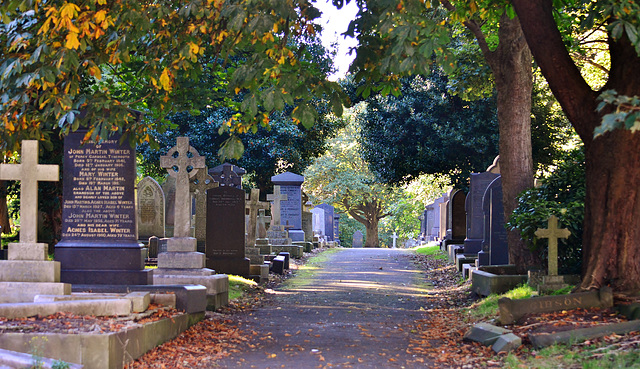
354	310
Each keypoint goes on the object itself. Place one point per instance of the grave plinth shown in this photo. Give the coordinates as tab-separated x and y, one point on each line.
27	272
99	229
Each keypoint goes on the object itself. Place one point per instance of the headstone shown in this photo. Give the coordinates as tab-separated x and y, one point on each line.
495	250
423	226
430	216
99	242
262	242
225	231
457	216
276	200
318	220
328	220
254	205
278	235
27	272
199	184
151	207
443	218
473	207
357	239
291	208
169	190
435	229
336	227
228	175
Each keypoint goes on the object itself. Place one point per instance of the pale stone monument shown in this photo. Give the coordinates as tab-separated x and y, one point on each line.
553	281
151	207
199	185
181	263
27	272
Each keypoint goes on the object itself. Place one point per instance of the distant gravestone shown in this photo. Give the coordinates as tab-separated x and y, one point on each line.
443	218
151	206
291	208
307	226
199	185
228	175
495	250
225	231
435	229
473	207
457	216
430	215
318	220
328	220
169	190
253	206
99	237
423	226
357	239
336	227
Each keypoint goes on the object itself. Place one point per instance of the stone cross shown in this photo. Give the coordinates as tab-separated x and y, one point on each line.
182	162
275	199
254	205
199	184
229	177
553	233
262	223
395	237
29	172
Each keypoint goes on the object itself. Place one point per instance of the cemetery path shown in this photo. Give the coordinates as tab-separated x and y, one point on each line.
354	309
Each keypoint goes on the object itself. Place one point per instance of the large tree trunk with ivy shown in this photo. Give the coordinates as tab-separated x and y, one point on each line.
611	255
511	64
368	212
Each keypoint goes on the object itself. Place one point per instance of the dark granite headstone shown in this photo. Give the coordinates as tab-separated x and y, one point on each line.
357	239
99	236
475	216
494	245
277	264
457	220
287	259
153	247
225	231
328	220
291	208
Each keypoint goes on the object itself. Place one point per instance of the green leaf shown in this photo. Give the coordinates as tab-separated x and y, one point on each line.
232	148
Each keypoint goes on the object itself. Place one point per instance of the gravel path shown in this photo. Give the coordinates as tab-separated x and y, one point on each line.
353	310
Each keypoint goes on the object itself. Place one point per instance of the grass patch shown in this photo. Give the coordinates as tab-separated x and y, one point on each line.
431	250
488	307
239	285
306	272
589	357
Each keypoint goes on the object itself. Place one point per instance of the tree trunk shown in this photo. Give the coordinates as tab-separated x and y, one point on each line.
4	211
612	205
511	64
372	234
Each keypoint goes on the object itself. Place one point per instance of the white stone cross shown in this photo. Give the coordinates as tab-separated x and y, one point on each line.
275	199
29	172
395	237
553	233
177	162
254	205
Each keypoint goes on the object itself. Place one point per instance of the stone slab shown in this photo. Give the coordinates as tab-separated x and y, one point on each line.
104	351
105	307
202	272
164	299
485	333
512	310
277	265
182	244
462	259
139	300
14	359
507	342
551	283
29	271
27	251
181	260
580	335
15	292
630	311
485	283
189	298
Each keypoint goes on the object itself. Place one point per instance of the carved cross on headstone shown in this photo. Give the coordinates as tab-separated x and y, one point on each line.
29	172
254	204
553	233
199	185
276	198
262	223
229	177
183	163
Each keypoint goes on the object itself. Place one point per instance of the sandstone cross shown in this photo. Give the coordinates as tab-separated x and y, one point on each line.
254	205
262	223
553	233
199	184
276	198
182	162
29	172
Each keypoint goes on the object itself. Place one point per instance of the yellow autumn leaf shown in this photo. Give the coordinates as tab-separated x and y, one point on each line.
10	126
95	71
100	16
194	48
72	41
165	80
69	10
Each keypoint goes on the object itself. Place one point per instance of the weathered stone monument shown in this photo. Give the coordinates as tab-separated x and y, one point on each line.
151	207
169	190
442	232
262	242
429	215
199	184
318	220
357	239
495	250
253	206
27	272
475	216
336	228
277	233
225	231
181	263
307	222
291	208
435	229
99	228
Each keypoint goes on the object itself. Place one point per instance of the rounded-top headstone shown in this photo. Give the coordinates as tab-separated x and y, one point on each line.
287	179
